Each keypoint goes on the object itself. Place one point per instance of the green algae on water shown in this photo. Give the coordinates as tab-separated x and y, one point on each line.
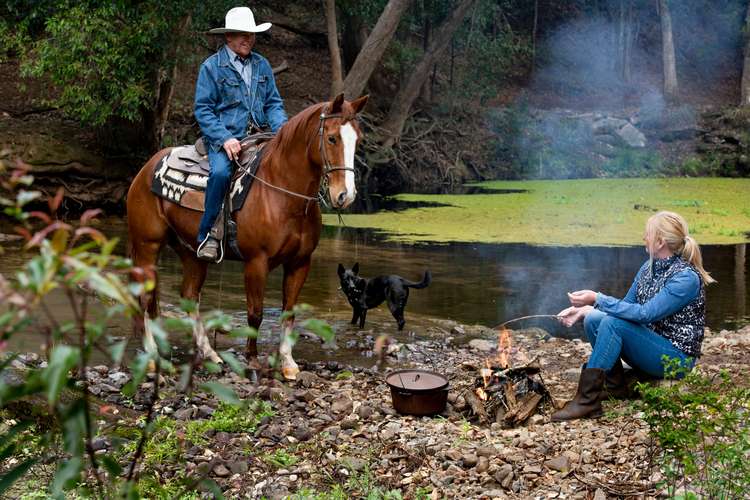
599	212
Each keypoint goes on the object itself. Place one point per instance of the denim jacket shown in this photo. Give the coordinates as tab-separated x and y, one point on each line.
225	107
668	298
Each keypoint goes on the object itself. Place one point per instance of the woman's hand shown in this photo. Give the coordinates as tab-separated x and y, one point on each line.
582	298
572	315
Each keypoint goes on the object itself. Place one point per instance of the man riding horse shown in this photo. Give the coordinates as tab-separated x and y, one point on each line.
235	94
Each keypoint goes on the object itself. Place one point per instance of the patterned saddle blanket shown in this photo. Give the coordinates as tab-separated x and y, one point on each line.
182	174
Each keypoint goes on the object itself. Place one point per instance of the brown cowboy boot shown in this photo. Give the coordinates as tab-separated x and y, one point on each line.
587	402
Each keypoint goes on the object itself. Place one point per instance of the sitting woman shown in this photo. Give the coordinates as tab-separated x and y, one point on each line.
663	314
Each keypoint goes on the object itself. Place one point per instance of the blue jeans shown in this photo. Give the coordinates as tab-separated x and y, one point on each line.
218	182
612	338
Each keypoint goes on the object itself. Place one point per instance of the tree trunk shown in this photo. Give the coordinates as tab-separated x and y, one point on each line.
337	80
668	55
399	112
746	65
166	77
374	47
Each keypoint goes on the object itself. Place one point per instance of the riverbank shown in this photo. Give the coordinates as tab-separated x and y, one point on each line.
334	433
591	212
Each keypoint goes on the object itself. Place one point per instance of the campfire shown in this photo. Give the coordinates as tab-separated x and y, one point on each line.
505	393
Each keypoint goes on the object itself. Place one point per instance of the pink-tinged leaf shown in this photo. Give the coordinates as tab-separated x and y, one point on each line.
89	214
39	236
25	233
91	232
42	216
54	203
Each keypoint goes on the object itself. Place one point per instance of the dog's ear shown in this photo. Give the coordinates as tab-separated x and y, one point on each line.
340	270
355	268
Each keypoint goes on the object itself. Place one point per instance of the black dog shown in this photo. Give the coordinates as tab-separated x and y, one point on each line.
364	294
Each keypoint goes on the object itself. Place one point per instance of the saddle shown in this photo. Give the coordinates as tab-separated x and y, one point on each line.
182	175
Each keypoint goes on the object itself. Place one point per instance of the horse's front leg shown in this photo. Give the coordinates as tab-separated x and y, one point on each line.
256	272
294	277
194	273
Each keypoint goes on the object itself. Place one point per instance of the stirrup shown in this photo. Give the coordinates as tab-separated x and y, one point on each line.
220	256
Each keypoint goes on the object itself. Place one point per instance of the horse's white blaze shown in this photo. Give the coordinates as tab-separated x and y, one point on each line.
349	137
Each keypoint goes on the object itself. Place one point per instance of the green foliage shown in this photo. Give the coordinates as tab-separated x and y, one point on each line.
281	459
76	262
105	59
228	418
702	425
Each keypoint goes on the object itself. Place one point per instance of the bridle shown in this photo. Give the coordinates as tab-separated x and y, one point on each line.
327	168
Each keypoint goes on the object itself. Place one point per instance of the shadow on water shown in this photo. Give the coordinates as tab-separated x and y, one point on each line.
372	203
472	283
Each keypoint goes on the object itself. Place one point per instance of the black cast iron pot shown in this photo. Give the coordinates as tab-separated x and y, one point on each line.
418	392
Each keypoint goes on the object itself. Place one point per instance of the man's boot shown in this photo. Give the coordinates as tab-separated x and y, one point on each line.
209	249
587	402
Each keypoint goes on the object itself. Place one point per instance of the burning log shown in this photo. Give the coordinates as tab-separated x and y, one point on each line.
508	395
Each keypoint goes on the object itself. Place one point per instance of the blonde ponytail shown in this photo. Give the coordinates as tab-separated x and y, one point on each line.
673	229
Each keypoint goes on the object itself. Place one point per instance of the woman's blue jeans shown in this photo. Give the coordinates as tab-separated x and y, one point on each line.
613	338
216	188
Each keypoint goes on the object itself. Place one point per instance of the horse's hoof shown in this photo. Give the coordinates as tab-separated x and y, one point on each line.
290	372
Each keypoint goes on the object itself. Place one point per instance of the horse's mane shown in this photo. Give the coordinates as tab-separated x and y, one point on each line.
296	125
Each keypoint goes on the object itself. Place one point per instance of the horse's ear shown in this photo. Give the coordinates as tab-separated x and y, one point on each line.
341	270
355	268
337	103
359	104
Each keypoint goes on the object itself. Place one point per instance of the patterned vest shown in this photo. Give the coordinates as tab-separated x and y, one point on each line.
685	327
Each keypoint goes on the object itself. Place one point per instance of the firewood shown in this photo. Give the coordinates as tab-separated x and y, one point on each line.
525	408
510	396
476	406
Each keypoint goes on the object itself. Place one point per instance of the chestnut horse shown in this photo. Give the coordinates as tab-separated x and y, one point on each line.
279	224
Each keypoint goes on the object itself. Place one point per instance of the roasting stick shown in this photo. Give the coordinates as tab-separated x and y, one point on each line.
526	317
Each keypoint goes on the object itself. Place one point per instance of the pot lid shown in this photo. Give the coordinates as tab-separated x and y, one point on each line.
416	380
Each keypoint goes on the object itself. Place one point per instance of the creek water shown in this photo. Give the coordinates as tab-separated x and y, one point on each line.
471	283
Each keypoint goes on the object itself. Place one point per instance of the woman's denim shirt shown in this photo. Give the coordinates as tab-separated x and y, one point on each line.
225	107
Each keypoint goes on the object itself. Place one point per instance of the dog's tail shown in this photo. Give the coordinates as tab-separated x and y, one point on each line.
422	284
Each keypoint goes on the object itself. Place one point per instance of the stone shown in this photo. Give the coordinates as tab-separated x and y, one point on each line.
307	379
365	412
532	469
560	463
483	465
302	433
205	411
599	494
185	413
343	405
99	443
469	460
482	345
504	476
632	136
118	379
349	423
220	470
486	451
238	467
354	464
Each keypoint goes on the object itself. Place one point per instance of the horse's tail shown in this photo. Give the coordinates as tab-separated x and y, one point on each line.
422	284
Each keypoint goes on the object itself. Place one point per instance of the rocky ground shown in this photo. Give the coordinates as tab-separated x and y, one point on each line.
334	431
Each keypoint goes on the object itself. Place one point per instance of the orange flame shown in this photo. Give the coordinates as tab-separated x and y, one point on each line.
486	372
481	394
504	346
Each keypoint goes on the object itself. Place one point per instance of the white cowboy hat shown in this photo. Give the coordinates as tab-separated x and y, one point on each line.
240	20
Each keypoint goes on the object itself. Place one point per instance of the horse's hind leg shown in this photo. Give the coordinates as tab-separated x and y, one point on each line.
194	273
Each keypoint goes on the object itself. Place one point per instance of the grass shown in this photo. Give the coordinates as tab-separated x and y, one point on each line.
598	212
228	418
280	459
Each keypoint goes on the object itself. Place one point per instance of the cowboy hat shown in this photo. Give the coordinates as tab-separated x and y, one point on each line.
240	20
